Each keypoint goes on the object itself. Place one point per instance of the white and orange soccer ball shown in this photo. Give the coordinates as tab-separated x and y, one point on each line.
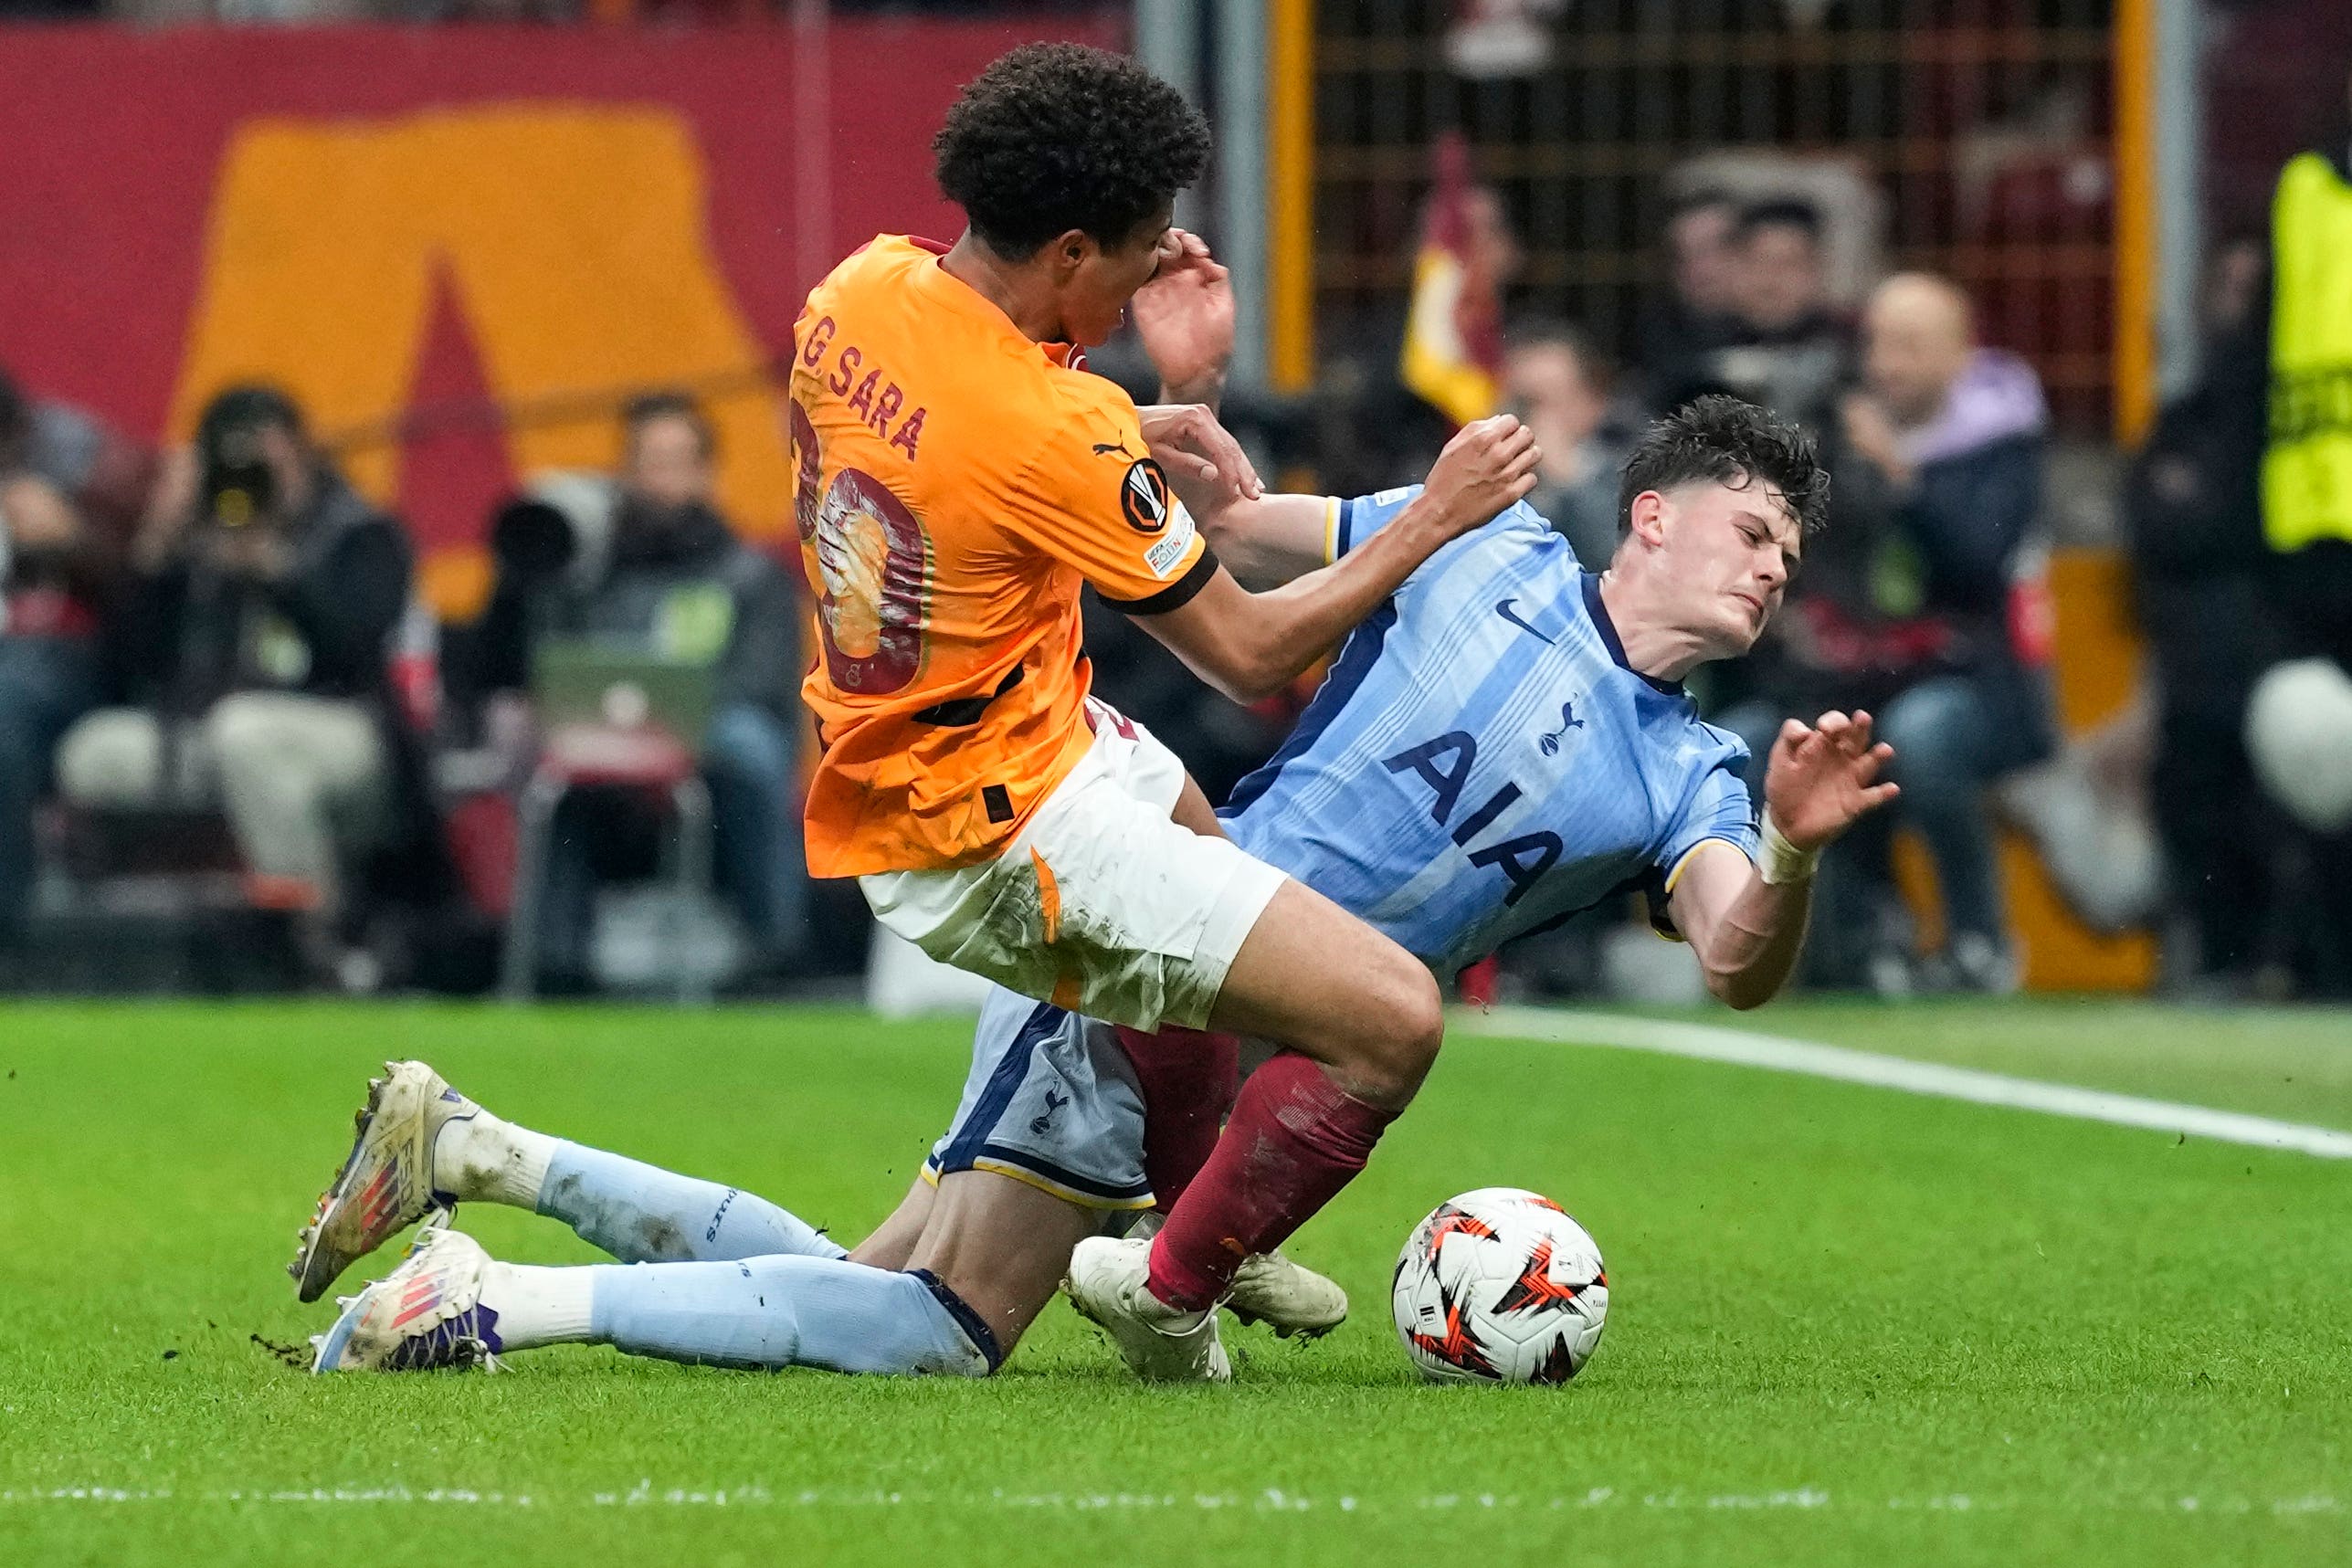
1500	1286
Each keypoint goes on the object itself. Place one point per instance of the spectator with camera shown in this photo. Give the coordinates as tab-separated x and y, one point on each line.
254	656
71	493
649	564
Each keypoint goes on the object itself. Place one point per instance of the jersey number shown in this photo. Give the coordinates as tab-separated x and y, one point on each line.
872	563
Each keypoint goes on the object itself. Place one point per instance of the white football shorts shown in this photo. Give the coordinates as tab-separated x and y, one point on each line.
1101	904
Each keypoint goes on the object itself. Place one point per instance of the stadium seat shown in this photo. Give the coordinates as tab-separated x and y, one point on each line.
642	759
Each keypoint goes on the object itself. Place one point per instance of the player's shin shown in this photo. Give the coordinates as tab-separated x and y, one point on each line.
1295	1139
642	1214
1188	1078
784	1311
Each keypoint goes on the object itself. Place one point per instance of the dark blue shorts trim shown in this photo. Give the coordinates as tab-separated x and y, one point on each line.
975	1328
1024	1159
1003	1084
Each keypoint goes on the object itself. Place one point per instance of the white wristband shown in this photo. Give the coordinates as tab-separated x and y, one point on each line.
1783	862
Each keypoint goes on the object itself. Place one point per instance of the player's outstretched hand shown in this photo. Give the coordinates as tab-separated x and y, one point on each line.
1821	778
1202	459
1488	465
1185	318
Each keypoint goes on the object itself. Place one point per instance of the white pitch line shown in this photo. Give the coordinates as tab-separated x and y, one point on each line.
1270	1500
1741	1048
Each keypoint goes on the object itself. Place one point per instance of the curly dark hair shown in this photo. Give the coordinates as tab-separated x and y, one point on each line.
1054	137
1734	443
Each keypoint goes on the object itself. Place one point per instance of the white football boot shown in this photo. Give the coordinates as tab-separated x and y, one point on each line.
425	1314
1161	1343
386	1184
1289	1298
1293	1300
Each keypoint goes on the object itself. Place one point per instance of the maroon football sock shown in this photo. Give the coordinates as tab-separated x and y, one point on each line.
1188	1078
1294	1139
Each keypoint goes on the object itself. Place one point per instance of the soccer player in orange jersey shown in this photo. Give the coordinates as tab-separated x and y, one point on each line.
960	474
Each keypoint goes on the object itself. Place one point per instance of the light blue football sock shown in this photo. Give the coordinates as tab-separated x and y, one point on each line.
641	1213
789	1311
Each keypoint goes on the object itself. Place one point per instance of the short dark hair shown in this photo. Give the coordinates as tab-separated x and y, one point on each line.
1778	212
1558	332
248	405
1054	137
647	407
1724	440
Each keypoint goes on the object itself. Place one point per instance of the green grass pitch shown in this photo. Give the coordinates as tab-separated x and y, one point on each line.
1847	1325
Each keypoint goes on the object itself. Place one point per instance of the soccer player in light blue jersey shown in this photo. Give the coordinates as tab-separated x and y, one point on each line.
1503	743
1484	761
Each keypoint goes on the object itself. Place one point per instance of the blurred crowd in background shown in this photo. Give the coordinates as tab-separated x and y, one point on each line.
225	711
1926	601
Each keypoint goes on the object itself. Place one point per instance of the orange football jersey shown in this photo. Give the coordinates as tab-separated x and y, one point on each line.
955	484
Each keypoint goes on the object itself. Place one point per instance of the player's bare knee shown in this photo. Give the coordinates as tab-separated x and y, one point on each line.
1420	1023
1408	1025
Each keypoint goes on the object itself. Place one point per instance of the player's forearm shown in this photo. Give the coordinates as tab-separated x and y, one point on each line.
1267	541
1207	388
1748	954
1282	631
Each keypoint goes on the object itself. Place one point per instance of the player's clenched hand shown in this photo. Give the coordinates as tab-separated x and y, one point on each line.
1488	465
1823	777
1201	457
1185	318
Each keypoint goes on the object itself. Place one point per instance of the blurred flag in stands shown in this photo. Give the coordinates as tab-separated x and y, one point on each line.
1453	332
1454	335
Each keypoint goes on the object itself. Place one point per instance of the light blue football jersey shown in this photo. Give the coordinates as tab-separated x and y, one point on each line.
1481	763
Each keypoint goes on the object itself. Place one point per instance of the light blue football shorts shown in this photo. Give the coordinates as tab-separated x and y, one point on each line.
1053	1101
